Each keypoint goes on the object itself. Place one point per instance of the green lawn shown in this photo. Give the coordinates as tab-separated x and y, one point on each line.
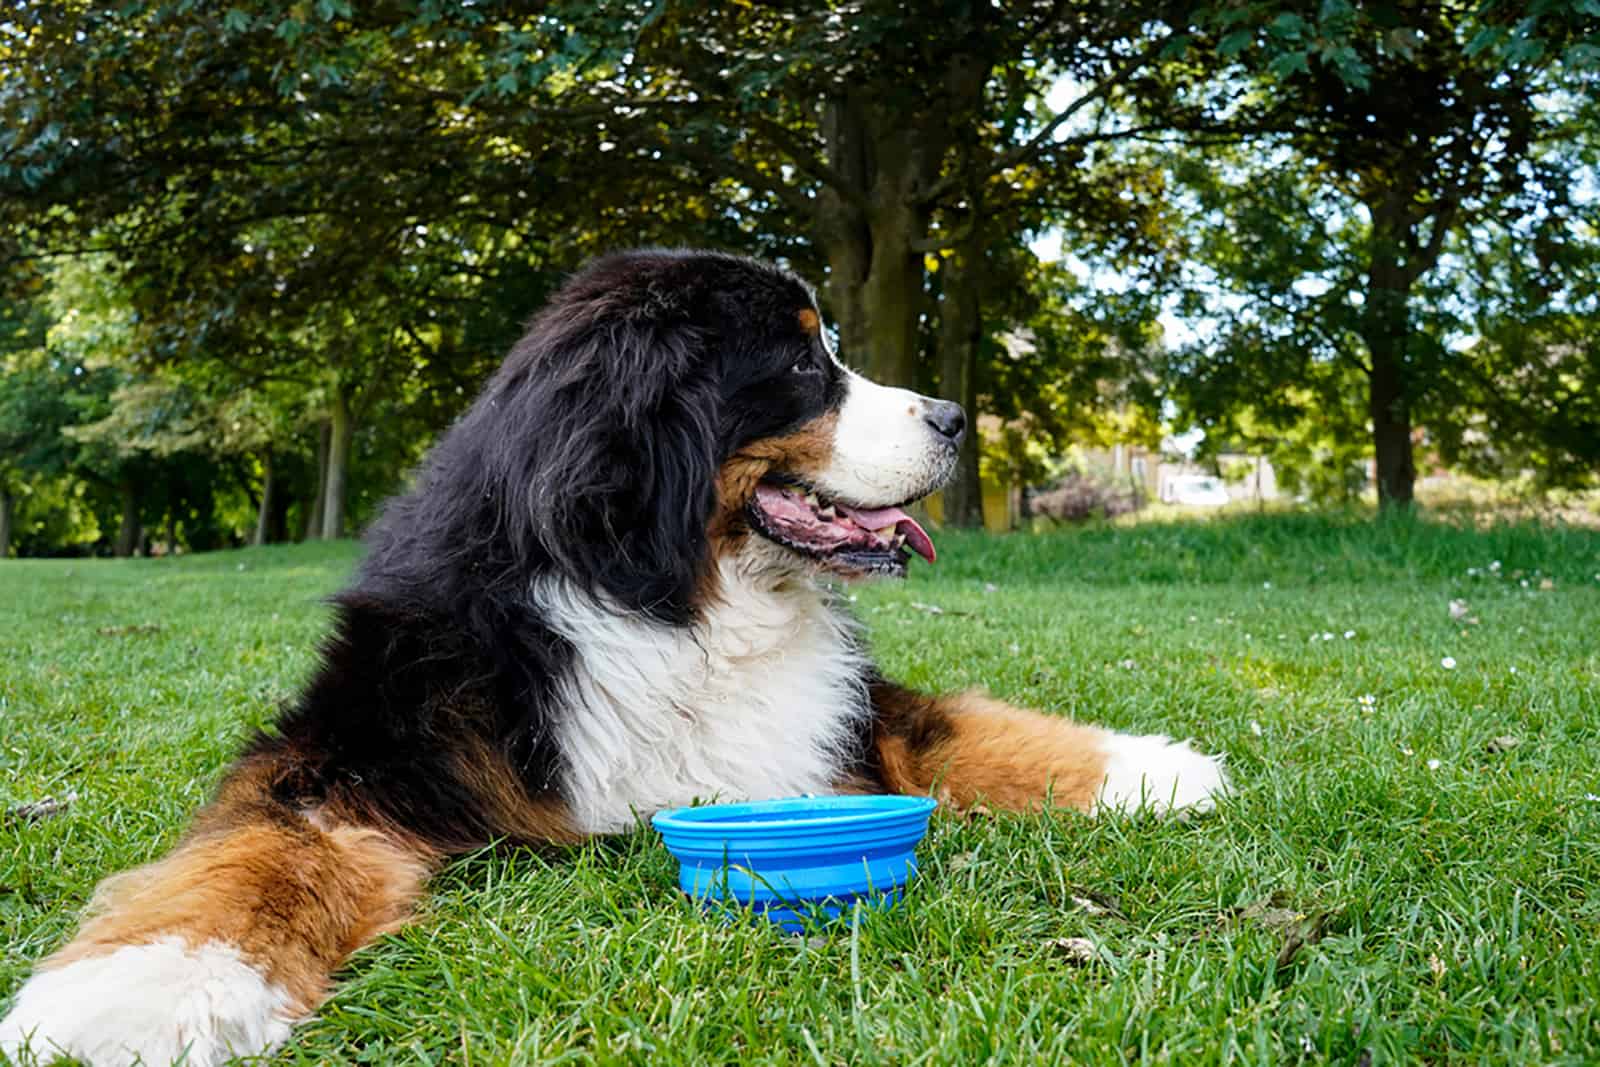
1390	883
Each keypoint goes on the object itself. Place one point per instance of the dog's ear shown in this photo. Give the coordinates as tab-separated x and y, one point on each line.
608	452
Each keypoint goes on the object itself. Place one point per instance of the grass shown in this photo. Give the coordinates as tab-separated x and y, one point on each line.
1389	884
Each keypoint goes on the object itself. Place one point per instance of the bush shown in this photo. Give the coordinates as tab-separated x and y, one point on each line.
1079	497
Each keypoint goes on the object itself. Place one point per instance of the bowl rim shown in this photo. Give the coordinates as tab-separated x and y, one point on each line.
723	819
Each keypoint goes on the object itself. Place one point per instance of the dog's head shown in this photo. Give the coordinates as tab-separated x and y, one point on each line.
667	407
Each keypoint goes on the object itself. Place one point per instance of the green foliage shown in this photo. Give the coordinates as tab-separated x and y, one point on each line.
1351	40
57	515
311	208
289	213
1348	257
58	494
1532	403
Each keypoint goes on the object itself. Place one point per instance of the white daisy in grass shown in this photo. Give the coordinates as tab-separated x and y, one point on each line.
1448	663
1369	703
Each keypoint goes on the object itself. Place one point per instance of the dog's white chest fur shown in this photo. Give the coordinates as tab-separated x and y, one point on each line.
759	699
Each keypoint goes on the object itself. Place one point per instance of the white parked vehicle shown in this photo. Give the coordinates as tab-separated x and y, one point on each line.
1195	490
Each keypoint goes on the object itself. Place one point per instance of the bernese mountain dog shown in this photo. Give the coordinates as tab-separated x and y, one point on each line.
611	591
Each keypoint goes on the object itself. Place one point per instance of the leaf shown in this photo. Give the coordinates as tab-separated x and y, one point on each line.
1488	37
1403	41
1582	56
1267	914
1288	25
1306	932
1349	65
1236	42
46	807
1523	50
1297	928
134	628
1078	951
961	861
1290	63
1176	47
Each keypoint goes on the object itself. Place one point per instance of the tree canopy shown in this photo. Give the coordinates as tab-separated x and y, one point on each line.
309	227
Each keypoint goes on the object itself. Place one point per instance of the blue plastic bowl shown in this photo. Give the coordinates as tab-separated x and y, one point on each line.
797	858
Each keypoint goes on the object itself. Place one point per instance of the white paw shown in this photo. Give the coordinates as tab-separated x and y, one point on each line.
1156	773
151	1004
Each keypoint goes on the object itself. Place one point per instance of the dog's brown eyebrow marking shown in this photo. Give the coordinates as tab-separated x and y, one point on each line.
809	321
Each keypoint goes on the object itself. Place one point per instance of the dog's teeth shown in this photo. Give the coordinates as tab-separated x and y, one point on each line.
885	532
811	498
827	513
899	539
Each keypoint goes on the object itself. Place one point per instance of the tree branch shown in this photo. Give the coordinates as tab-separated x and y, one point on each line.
810	163
1027	150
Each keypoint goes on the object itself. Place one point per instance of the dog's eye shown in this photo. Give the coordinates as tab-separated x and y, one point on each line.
802	366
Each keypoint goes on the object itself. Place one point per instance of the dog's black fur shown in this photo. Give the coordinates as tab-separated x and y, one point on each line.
593	452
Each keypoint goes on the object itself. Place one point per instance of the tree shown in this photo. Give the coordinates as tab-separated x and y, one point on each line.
343	201
903	133
22	404
1324	234
357	168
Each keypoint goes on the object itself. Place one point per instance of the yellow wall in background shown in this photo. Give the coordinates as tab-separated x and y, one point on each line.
998	516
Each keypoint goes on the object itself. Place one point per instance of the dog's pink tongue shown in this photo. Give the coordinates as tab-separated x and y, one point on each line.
877	518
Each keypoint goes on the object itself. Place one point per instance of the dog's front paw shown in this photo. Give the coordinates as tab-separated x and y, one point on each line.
1155	773
152	1004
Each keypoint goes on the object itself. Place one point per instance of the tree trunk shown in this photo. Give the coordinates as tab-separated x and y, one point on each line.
6	504
841	226
1391	431
268	494
341	430
172	518
314	511
278	518
869	234
960	335
1385	327
128	532
892	294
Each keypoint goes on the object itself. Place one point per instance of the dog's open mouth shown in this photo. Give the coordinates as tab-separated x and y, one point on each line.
849	540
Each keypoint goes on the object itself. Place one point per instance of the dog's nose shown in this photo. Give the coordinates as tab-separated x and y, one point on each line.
947	418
